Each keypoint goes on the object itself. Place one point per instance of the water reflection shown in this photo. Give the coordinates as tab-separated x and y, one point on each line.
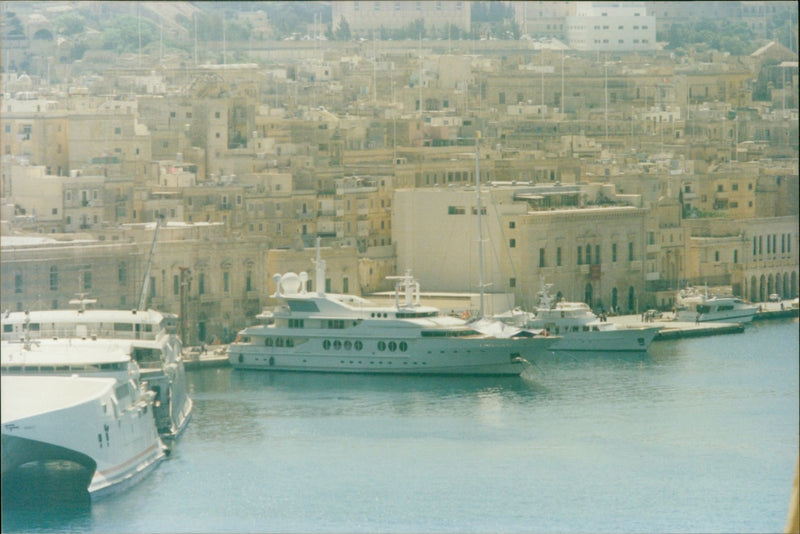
36	499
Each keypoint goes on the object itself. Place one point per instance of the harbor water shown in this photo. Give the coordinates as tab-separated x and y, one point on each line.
696	435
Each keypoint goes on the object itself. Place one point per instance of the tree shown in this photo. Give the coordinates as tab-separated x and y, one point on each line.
70	24
343	31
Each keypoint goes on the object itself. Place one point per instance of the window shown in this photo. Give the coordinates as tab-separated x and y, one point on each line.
588	254
541	258
512	243
248	281
512	224
53	278
122	273
176	284
734	187
512	282
630	251
201	284
580	254
735	256
558	257
716	255
117	130
152	287
226	282
18	283
87	279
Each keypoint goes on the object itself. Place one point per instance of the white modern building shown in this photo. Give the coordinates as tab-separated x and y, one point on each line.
611	26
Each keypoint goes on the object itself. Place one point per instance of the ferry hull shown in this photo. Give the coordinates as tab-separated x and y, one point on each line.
55	422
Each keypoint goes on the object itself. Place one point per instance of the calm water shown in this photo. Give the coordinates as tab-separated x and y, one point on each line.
697	435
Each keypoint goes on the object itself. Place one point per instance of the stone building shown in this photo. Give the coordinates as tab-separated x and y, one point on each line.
589	252
364	17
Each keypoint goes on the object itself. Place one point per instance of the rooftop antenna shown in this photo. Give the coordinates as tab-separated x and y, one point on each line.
319	279
194	16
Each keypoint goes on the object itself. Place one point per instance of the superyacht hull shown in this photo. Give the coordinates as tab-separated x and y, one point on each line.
364	355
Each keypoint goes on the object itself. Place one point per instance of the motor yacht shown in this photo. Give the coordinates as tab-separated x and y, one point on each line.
580	329
327	332
697	306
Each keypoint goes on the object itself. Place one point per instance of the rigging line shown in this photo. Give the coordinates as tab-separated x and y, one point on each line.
505	241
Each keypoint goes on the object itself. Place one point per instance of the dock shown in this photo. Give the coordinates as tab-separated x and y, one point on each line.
214	356
673	329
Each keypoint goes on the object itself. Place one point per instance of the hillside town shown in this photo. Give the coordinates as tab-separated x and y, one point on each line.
577	142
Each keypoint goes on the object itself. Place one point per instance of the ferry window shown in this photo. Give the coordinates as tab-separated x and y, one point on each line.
337	345
326	344
348	345
279	342
268	342
290	342
8	328
381	345
403	346
392	346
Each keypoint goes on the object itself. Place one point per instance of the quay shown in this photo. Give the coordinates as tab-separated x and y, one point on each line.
673	329
213	356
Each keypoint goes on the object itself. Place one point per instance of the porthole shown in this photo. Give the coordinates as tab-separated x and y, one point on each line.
326	344
348	345
392	346
337	345
279	342
358	345
268	342
403	346
290	342
381	345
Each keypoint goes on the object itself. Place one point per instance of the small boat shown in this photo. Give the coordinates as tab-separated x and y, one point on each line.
100	431
326	332
149	335
580	329
696	306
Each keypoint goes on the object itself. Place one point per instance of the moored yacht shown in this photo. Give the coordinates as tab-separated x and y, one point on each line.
150	336
99	430
697	306
581	329
325	332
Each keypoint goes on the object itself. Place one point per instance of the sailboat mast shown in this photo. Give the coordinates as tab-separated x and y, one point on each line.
480	229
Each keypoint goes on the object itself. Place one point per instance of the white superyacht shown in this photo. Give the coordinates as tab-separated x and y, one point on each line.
325	332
